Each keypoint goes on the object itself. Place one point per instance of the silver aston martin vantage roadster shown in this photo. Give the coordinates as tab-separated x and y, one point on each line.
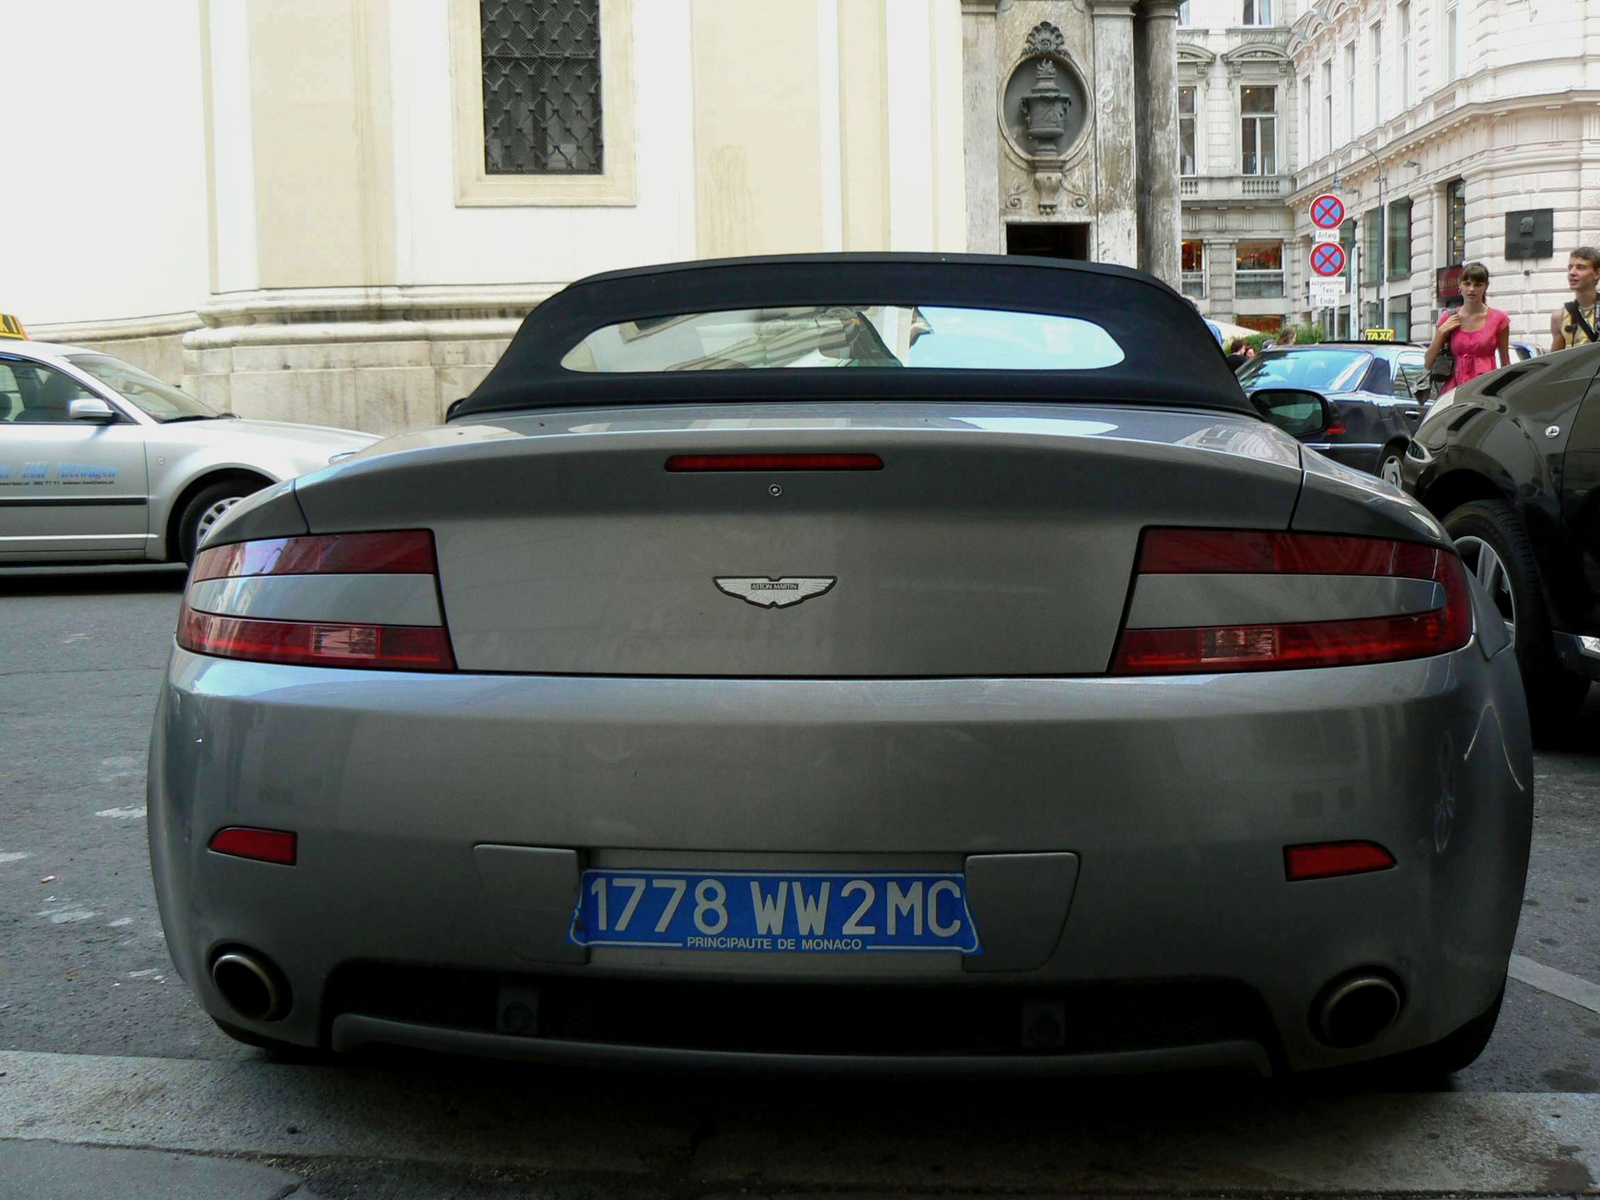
883	662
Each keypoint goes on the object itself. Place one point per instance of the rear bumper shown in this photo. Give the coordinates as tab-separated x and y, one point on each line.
1176	795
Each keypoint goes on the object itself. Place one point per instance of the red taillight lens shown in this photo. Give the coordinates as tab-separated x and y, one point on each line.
406	551
774	462
263	845
1205	649
1325	859
228	623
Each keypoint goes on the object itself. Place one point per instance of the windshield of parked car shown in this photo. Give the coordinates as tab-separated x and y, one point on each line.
844	335
1314	370
155	398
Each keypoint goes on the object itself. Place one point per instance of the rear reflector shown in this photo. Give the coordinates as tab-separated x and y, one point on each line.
774	462
1321	860
263	845
1205	649
366	645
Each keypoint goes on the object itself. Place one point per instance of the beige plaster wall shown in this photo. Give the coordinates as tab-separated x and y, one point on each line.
864	124
324	169
756	134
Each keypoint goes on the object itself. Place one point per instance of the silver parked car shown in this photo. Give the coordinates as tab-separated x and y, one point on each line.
100	461
879	661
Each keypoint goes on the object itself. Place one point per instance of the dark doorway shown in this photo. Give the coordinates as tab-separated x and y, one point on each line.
1048	240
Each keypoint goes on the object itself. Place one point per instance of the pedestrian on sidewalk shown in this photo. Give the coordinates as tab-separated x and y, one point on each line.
1474	334
1574	324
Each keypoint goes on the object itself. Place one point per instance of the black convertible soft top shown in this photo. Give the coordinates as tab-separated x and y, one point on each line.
1170	357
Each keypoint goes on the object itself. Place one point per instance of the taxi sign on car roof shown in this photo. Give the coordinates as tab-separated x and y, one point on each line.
11	327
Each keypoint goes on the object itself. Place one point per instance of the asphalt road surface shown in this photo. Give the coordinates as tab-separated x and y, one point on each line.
92	1012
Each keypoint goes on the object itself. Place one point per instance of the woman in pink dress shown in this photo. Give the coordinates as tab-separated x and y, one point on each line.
1473	333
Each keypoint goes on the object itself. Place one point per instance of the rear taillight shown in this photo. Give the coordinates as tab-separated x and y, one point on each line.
363	600
1262	647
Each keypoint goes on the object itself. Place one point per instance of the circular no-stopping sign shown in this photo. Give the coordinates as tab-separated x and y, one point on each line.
1327	211
1328	259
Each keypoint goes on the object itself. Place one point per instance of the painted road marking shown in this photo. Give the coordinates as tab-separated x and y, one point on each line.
122	814
1558	983
14	856
1093	1140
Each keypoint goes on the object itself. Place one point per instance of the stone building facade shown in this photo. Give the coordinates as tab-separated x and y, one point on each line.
339	210
1238	120
1445	124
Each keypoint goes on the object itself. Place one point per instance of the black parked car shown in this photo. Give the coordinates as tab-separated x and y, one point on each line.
1511	463
1377	391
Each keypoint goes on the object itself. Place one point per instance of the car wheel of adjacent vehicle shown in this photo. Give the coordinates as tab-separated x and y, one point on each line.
206	508
1389	463
1495	547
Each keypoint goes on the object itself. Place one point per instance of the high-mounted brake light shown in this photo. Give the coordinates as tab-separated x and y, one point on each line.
1323	860
1205	649
244	619
774	462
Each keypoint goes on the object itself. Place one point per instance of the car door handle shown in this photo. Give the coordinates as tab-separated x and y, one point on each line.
1414	413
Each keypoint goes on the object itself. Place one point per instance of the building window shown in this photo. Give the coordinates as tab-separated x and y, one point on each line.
1350	92
1400	239
1258	12
1258	137
541	87
1377	73
1258	271
1186	157
1403	14
1452	38
1400	317
1327	107
1183	12
1194	269
1347	239
1372	247
1455	223
1305	118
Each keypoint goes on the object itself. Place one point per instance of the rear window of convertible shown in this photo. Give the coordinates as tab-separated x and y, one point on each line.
845	335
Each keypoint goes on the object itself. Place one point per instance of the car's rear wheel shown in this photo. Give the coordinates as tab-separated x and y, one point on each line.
208	506
1495	547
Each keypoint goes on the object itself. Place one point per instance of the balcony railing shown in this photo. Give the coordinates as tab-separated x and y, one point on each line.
1233	187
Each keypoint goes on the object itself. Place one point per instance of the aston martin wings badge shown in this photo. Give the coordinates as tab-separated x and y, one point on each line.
764	592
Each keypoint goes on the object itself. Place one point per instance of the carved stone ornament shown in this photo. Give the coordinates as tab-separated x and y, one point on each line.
1045	112
1046	39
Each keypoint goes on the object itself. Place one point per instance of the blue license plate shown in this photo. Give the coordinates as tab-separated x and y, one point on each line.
799	912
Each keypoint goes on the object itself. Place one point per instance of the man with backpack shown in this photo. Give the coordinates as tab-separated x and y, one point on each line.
1574	323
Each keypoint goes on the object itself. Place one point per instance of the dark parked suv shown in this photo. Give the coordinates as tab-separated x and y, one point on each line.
1377	391
1511	464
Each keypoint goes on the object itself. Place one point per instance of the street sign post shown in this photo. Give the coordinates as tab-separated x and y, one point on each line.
1327	211
1327	259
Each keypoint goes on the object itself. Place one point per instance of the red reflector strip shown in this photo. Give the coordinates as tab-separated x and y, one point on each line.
406	551
318	643
264	845
1324	859
774	462
1233	552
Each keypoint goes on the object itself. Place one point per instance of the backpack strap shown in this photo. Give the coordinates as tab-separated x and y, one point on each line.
1577	318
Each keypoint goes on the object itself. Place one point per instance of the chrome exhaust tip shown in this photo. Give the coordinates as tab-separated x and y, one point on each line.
1355	1009
250	984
